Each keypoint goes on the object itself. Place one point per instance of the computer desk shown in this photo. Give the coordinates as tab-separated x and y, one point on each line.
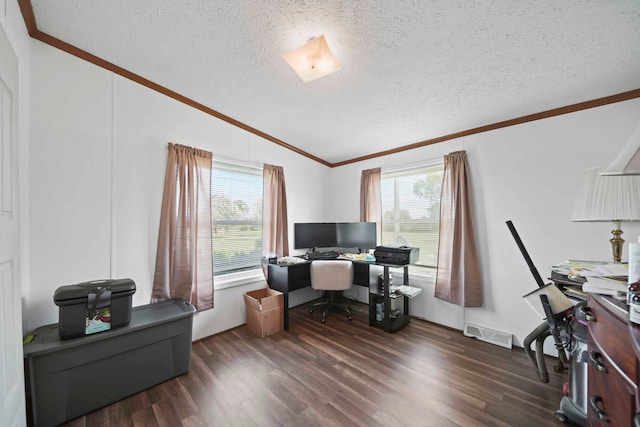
291	277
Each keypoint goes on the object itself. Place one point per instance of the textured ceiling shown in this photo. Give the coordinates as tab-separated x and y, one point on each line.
412	70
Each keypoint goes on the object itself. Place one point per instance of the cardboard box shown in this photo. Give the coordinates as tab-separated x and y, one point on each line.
265	310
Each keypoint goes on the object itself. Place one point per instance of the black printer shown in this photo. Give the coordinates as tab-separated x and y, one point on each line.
396	254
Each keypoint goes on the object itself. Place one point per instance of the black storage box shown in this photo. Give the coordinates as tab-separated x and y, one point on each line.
91	307
68	378
396	254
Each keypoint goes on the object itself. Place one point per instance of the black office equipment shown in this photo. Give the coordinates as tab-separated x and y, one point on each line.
312	235
569	332
319	255
359	235
396	254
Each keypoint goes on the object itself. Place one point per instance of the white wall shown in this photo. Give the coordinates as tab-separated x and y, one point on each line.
97	159
528	174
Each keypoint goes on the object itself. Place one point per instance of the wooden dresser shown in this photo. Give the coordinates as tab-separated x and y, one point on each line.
613	352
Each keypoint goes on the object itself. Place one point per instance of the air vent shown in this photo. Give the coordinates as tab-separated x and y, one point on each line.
489	335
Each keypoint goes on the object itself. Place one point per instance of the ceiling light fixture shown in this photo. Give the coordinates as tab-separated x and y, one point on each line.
312	60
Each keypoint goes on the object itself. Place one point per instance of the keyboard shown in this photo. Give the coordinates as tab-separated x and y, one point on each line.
323	255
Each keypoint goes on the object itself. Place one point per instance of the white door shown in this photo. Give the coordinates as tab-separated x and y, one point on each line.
12	405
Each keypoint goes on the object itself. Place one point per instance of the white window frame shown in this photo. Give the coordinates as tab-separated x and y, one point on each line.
423	272
243	277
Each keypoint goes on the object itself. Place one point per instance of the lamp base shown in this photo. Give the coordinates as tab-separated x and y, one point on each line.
616	243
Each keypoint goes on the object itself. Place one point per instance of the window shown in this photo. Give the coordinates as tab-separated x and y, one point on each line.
236	204
411	209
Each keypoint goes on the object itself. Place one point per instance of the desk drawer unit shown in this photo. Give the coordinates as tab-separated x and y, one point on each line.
613	367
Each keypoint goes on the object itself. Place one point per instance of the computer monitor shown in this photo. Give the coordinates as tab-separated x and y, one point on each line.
308	235
361	235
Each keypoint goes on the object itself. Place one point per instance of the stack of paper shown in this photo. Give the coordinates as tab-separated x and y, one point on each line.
407	291
598	277
604	285
596	269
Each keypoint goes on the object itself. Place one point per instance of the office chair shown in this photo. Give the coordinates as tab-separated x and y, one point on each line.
332	277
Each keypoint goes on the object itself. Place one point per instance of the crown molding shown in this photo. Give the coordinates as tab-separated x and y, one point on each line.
29	18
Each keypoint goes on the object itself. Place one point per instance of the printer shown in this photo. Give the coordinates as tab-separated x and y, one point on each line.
396	254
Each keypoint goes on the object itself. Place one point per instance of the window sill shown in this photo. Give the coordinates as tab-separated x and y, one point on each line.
418	275
423	271
232	280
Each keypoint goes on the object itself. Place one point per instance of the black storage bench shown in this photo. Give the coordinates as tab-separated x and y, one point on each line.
69	378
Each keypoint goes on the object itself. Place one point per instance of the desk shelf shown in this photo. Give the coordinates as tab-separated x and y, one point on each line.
389	323
377	292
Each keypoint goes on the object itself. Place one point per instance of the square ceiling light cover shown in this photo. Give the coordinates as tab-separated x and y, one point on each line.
312	60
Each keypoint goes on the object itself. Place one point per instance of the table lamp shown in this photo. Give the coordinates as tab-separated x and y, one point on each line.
608	198
627	162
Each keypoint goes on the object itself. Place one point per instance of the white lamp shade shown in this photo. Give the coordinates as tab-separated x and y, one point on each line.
557	300
312	60
628	160
607	198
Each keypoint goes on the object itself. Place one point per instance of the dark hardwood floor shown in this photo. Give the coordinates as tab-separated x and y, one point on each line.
345	373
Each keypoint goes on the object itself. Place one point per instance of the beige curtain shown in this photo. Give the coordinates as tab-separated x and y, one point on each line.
275	235
184	264
370	199
458	278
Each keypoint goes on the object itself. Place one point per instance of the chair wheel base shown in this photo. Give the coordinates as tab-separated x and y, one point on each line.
331	303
